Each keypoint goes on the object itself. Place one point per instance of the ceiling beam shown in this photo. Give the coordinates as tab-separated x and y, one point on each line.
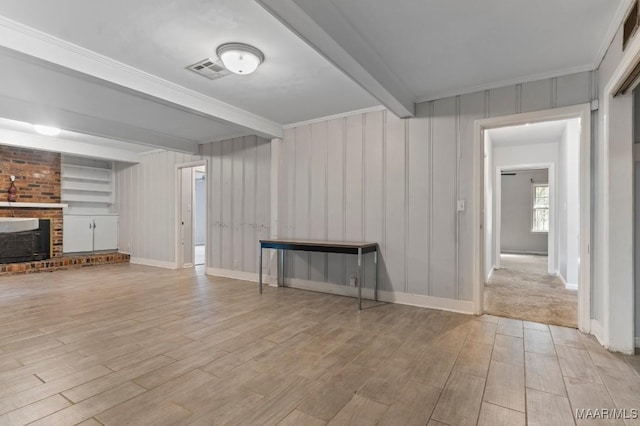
59	144
21	38
326	30
25	111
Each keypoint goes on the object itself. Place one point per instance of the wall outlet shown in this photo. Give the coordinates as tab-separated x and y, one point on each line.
236	264
461	205
352	280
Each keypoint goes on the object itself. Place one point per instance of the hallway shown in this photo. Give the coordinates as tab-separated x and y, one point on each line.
522	289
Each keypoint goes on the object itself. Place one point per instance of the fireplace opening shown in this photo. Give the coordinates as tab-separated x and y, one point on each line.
26	246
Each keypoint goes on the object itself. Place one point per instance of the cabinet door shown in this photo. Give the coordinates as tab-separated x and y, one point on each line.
77	234
105	233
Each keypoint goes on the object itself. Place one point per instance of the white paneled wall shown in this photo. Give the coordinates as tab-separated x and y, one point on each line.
239	172
146	202
374	177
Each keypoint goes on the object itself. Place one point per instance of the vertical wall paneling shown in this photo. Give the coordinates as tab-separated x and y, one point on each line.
335	196
263	196
318	197
302	187
471	109
502	101
249	204
536	95
373	177
354	181
374	191
418	212
394	219
444	199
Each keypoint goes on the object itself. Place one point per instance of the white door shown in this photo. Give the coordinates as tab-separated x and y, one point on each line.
78	234
105	233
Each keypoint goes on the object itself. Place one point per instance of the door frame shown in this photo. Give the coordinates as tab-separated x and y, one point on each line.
583	112
178	250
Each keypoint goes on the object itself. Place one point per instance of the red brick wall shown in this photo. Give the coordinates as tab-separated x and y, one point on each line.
38	181
37	174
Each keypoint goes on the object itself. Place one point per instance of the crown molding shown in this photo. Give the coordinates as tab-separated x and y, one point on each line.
505	83
335	116
21	38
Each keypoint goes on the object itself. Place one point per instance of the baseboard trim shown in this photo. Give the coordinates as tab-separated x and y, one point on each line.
597	330
567	285
153	262
419	300
534	253
238	275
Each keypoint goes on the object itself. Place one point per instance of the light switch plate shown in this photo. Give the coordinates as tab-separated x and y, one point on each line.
461	205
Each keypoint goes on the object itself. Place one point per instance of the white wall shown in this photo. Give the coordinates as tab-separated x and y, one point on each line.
637	248
239	177
612	289
517	213
510	157
186	210
569	204
146	202
200	234
377	178
489	248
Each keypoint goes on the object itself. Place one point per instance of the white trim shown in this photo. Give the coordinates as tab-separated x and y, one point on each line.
34	205
598	332
565	283
526	252
636	152
63	146
459	306
335	116
509	82
626	64
178	252
583	112
614	24
21	38
153	262
238	275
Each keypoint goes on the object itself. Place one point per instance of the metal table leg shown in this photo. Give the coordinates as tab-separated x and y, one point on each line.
260	270
375	260
359	279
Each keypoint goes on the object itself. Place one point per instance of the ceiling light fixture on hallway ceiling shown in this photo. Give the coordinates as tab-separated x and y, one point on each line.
240	58
46	130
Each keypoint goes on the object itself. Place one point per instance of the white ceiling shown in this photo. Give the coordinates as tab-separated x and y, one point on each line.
429	49
528	134
163	37
116	69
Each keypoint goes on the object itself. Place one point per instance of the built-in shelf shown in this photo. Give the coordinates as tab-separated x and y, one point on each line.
34	205
86	184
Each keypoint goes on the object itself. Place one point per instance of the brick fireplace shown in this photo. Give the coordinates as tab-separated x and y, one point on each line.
37	181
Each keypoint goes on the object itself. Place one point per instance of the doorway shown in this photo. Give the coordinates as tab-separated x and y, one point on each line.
191	230
563	208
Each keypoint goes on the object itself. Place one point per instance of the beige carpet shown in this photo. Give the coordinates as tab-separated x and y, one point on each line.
523	289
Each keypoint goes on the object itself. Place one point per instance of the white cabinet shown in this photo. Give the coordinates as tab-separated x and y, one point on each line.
86	233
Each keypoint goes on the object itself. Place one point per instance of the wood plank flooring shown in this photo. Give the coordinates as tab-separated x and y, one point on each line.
126	344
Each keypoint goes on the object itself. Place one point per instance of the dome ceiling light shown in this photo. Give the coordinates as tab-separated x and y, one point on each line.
46	130
240	58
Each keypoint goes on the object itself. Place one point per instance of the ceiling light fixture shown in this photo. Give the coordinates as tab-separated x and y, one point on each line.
46	130
240	58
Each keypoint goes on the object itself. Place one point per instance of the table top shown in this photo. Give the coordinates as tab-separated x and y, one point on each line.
347	247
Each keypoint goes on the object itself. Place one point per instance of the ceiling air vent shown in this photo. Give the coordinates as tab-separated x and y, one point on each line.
210	68
630	25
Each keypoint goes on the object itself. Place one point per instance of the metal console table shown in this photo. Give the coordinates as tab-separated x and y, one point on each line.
358	249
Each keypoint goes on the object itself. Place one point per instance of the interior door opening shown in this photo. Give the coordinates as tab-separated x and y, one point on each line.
192	216
532	221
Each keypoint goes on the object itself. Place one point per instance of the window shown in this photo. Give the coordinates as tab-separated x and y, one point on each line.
540	215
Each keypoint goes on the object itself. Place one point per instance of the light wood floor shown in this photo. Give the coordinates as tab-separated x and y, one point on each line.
124	344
